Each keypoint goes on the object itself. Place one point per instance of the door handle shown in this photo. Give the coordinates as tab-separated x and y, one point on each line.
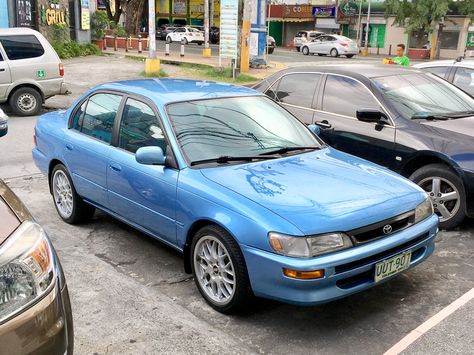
115	167
2	69
324	124
69	146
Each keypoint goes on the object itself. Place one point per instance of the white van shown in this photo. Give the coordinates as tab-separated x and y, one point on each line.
30	70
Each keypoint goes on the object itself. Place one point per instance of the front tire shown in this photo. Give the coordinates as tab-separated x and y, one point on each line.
446	192
26	101
270	50
168	39
305	50
334	53
69	205
219	270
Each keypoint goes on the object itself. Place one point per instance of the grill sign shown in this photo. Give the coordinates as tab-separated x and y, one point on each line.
387	229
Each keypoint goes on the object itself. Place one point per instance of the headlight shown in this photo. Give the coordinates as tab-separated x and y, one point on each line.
306	247
27	269
423	210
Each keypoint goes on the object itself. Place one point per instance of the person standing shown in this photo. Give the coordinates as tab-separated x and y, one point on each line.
401	58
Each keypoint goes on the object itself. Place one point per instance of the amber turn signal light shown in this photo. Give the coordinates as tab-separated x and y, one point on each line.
305	275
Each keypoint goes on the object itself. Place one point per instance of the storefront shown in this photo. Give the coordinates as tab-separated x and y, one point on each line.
185	12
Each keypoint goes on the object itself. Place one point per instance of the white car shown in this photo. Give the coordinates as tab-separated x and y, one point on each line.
303	37
188	34
333	45
459	72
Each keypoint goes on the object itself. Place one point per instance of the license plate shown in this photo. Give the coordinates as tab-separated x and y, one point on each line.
392	266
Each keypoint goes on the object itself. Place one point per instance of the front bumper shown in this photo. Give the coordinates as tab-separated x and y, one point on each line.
44	328
346	272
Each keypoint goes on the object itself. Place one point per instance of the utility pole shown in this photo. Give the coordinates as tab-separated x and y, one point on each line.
367	27
211	16
206	52
152	64
358	23
245	39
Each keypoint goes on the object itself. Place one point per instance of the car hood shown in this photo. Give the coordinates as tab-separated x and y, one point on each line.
321	191
464	126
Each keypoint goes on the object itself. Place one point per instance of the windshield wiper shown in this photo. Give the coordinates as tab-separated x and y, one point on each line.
225	159
284	150
443	116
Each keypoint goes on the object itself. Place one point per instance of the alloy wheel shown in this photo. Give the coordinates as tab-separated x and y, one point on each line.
444	196
62	193
26	102
214	270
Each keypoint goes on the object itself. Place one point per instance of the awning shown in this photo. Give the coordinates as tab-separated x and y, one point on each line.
281	19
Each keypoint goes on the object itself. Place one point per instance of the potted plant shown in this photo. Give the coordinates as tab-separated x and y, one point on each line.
99	23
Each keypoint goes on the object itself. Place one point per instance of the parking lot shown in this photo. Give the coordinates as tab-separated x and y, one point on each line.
130	293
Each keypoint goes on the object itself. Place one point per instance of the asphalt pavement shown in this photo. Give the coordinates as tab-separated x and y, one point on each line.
130	294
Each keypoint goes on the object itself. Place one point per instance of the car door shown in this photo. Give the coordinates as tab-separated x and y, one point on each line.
340	98
318	45
142	194
296	92
5	77
464	79
87	147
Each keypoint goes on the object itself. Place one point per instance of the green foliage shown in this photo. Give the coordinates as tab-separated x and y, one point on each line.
60	33
99	23
70	49
118	30
160	74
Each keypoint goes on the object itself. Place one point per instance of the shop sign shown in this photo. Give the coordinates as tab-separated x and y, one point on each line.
179	7
24	13
323	11
470	39
85	15
297	11
229	29
349	9
52	16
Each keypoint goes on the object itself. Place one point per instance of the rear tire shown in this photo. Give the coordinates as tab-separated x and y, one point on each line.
26	101
305	50
219	270
270	50
334	53
168	39
69	205
443	185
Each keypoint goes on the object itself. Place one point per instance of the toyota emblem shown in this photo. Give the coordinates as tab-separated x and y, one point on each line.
387	229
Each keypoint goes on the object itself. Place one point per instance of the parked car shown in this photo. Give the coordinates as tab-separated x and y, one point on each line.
164	30
35	311
30	70
188	34
271	44
255	201
405	119
303	37
333	45
214	35
459	72
3	123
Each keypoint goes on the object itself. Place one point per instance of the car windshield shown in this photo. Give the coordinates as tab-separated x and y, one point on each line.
418	95
236	127
301	34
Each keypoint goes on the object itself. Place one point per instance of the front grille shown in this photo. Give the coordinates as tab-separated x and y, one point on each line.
376	230
393	251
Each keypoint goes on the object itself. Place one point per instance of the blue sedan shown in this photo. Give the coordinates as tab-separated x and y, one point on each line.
255	201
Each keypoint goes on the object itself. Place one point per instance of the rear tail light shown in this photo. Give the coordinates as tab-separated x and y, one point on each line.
61	69
34	137
344	44
190	33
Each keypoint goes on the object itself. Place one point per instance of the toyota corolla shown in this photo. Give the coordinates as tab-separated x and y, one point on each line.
254	200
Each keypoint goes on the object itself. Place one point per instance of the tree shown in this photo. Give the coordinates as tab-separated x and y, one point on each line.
421	16
133	11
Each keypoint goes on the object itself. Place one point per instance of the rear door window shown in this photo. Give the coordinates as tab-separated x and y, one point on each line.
464	79
99	116
296	89
21	46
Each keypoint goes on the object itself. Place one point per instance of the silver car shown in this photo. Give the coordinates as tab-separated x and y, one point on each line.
333	45
30	70
303	37
459	72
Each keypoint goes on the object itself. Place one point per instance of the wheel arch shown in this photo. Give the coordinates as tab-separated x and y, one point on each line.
424	158
192	230
52	164
31	85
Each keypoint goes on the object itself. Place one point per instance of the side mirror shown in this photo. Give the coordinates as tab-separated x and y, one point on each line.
368	115
3	123
315	129
150	156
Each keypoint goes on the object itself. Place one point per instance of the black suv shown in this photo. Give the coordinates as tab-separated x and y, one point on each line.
407	120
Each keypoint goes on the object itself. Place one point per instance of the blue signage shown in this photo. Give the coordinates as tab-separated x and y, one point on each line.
324	11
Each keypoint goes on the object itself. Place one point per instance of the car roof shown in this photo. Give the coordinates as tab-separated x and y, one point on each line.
164	91
357	70
441	63
17	31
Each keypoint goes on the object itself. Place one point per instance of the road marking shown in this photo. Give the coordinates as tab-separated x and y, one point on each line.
430	323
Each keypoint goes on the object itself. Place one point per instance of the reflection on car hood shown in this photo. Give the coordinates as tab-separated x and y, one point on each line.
321	191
